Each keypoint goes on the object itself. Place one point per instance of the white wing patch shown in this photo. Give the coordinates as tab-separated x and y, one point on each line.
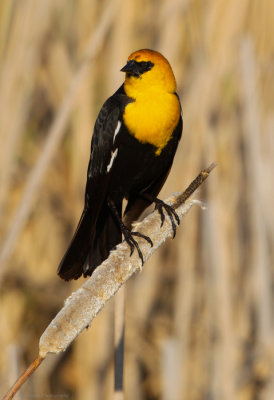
117	130
113	155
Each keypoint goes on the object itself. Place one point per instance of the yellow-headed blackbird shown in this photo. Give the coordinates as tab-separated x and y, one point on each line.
134	142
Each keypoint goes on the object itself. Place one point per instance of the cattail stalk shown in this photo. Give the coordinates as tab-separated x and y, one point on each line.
84	304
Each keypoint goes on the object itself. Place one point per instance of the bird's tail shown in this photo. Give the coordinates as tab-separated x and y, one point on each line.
91	243
108	235
73	262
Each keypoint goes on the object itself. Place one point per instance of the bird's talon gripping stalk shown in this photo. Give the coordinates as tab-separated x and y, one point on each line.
138	234
128	235
173	216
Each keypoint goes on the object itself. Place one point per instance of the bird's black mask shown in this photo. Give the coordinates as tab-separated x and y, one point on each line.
136	68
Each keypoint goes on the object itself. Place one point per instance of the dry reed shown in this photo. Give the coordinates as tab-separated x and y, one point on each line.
206	303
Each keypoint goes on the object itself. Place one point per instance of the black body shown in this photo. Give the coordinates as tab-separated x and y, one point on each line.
136	169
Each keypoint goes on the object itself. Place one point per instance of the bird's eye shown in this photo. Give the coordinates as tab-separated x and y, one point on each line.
144	66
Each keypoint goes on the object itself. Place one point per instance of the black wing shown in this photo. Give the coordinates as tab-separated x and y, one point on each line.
98	177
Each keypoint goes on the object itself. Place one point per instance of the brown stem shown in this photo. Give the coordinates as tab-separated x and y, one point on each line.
194	185
21	380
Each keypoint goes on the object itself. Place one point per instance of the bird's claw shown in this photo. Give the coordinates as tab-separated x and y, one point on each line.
173	216
128	235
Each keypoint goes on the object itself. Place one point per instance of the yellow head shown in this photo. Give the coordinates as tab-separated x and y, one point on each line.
148	70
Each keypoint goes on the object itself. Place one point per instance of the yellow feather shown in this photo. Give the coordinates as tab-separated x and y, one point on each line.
152	119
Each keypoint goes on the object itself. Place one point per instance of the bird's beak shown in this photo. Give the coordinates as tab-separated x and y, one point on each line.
131	68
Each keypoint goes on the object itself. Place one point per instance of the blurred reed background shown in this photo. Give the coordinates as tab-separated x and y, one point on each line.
199	319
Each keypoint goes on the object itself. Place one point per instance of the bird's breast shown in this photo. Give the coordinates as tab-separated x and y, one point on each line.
153	118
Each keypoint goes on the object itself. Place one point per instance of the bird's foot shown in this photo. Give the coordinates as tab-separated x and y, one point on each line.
173	216
128	235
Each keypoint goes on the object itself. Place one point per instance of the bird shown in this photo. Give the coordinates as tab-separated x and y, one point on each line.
135	138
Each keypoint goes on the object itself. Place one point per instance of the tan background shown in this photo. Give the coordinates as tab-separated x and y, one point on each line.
200	315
